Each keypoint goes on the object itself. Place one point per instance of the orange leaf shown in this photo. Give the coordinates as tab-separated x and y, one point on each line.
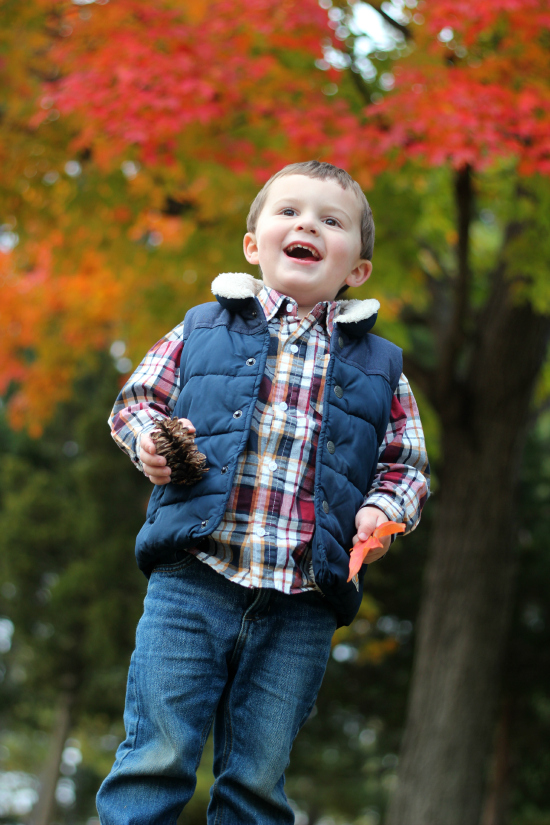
388	528
360	551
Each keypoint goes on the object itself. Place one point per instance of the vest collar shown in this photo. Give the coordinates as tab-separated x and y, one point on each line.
235	290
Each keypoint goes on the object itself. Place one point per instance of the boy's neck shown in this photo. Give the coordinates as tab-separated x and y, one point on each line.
301	312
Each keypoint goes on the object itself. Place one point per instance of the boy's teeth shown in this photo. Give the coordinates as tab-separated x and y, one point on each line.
301	251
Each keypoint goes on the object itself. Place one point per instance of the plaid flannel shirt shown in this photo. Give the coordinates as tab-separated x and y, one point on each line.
264	538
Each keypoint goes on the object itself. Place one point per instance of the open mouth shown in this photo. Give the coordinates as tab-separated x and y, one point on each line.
303	252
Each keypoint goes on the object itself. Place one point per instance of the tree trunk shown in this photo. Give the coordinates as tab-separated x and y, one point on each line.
44	812
469	577
495	806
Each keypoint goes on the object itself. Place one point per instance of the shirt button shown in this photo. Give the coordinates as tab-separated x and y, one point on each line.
290	307
338	391
330	447
237	413
272	465
325	506
283	406
259	531
294	348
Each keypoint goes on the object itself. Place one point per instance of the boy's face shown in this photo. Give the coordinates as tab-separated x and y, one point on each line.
308	239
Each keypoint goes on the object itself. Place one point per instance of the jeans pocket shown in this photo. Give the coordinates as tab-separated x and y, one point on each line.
176	566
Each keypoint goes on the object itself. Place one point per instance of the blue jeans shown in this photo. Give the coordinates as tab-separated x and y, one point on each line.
251	661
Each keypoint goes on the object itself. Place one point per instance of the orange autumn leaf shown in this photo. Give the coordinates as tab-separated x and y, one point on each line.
388	528
360	551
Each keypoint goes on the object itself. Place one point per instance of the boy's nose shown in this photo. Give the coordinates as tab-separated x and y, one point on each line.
306	225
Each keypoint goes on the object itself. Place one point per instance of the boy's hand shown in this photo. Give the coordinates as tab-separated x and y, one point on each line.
366	522
154	466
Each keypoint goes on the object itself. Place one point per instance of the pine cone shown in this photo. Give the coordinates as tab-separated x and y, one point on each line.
177	445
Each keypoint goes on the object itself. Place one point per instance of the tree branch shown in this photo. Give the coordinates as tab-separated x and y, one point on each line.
405	31
359	82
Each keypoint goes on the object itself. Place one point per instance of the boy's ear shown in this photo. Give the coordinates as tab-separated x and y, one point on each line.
359	274
250	246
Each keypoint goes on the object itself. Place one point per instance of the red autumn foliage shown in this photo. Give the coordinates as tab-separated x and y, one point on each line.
232	83
144	76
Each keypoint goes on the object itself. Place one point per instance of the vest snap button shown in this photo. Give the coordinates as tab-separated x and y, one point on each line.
325	506
340	341
330	447
338	391
225	469
250	362
204	523
254	313
237	413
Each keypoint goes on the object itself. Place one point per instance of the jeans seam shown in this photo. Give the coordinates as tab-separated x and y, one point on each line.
204	737
228	747
138	718
243	632
304	718
241	638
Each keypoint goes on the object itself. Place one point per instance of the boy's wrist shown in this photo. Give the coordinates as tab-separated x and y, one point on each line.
384	503
381	502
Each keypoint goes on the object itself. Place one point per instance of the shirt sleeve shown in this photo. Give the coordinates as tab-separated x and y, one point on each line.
150	392
401	485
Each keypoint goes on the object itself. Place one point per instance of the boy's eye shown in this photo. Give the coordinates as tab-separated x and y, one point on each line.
288	211
332	222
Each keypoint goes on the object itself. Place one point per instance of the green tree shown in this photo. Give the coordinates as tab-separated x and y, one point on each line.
69	510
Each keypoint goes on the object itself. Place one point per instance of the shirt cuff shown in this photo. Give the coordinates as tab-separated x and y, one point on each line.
387	505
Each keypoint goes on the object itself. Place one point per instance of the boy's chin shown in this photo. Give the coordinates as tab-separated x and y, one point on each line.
296	284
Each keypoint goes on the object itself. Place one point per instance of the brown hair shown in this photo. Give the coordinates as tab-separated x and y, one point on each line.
323	171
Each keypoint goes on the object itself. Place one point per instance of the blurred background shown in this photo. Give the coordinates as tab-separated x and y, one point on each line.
133	137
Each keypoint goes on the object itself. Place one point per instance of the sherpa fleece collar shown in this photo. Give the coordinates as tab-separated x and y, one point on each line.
234	290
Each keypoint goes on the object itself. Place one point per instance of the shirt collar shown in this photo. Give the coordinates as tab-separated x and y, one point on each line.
271	302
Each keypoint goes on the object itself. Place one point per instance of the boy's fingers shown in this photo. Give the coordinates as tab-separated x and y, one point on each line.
374	555
148	453
361	536
158	475
150	460
157	481
377	552
148	444
153	460
154	466
154	470
187	423
366	522
365	529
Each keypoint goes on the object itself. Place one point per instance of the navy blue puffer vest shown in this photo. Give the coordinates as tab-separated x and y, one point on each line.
223	362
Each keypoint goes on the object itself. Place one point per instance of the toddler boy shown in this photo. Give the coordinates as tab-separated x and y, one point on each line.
312	438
